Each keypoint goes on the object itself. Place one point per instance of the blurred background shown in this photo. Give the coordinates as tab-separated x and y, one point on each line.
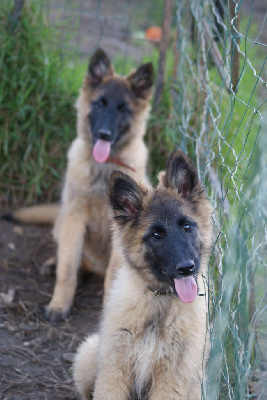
209	99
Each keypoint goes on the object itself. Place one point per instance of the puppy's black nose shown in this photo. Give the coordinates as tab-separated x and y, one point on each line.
104	134
186	267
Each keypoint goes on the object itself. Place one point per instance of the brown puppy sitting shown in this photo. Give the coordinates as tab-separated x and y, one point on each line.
152	339
112	113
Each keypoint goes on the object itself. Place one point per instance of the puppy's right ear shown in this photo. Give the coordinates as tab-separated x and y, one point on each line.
99	67
125	197
181	174
141	80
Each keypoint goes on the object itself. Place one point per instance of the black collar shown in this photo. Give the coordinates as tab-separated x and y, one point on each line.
160	292
169	291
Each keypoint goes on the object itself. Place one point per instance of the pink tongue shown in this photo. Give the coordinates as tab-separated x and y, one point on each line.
186	289
101	150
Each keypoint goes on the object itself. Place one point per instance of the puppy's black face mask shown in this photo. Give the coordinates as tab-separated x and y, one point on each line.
112	110
173	249
110	118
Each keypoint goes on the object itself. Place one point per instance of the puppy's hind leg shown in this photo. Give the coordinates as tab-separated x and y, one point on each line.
85	366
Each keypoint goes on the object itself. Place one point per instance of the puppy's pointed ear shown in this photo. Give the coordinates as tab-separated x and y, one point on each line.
125	196
141	80
99	67
181	174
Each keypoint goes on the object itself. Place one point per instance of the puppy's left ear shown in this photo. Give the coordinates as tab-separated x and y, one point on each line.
99	68
125	196
181	174
141	80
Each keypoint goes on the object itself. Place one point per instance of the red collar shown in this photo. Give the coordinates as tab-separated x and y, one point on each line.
118	161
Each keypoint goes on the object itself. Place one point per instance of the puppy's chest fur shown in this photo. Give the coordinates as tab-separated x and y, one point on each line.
150	333
153	340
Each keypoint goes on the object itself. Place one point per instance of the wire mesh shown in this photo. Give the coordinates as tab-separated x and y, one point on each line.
219	107
218	115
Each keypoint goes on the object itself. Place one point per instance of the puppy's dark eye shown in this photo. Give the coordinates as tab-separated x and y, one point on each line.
157	235
122	107
185	224
156	232
102	102
187	227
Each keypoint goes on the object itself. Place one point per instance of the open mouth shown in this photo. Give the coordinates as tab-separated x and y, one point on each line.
185	288
101	150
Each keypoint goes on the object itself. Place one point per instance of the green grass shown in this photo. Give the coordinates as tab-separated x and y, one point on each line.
237	156
37	115
232	139
239	125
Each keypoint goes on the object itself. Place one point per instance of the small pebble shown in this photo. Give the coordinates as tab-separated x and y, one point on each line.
7	298
11	246
11	328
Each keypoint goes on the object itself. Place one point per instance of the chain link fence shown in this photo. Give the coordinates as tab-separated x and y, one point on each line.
219	112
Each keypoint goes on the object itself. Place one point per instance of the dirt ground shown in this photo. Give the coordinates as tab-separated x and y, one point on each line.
35	356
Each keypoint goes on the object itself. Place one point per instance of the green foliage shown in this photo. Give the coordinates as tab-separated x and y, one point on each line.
239	124
226	137
37	115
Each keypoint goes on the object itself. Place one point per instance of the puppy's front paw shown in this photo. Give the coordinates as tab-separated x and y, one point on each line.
55	314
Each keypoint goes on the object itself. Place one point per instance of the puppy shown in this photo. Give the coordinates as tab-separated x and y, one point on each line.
152	342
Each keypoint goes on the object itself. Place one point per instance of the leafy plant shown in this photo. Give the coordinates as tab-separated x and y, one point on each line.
37	115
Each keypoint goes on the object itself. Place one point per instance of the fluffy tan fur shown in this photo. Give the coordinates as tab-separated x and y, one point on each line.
169	357
82	223
82	229
152	347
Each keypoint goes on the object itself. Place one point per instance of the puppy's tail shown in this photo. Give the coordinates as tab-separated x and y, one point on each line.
85	366
43	214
